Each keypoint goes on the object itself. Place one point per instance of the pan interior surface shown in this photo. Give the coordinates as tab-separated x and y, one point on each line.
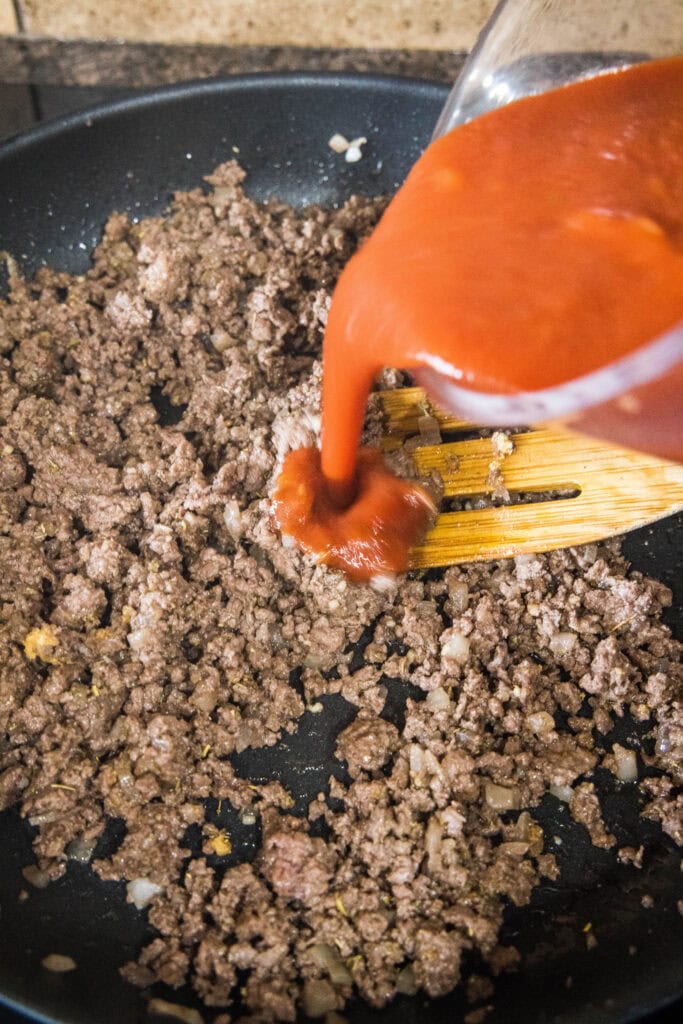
58	184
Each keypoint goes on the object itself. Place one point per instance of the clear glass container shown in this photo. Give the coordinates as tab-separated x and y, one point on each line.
528	47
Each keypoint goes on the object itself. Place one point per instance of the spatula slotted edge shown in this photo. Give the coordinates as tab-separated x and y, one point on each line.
620	489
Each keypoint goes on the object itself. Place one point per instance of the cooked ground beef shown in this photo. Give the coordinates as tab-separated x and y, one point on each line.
154	626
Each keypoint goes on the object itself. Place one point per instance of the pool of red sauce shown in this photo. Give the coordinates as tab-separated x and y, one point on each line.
528	247
369	537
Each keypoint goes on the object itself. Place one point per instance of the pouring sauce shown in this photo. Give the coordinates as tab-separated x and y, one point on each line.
528	247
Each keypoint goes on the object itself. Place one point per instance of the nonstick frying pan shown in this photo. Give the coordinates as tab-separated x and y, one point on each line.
57	185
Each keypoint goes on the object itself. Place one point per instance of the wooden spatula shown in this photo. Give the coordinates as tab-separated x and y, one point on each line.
617	489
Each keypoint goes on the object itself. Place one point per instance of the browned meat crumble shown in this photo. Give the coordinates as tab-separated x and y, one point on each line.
151	620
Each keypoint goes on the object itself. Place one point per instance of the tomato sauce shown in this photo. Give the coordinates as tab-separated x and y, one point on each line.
368	537
531	246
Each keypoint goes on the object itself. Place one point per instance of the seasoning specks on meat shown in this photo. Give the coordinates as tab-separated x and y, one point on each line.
151	619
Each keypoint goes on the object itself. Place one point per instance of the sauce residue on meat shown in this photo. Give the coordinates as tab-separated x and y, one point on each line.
533	245
368	537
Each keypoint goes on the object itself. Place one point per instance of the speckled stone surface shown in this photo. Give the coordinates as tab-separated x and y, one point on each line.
17	110
44	78
54	62
8	19
429	24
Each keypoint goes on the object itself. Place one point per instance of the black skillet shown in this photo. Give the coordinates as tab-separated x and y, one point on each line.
57	185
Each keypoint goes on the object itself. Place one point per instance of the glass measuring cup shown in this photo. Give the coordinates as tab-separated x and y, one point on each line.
528	47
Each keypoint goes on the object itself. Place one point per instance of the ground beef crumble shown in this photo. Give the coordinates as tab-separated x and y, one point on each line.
152	619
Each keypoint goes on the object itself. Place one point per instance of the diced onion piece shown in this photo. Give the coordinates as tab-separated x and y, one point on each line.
338	143
562	643
456	648
186	1014
314	660
663	744
521	828
58	963
626	763
328	959
354	152
433	839
459	595
502	444
422	764
318	997
383	583
416	758
81	849
232	517
563	793
501	798
11	264
453	821
516	848
431	763
45	819
139	639
35	877
406	983
340	974
222	341
141	891
540	722
248	818
438	699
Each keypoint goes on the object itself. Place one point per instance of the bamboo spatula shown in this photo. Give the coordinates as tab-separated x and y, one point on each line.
618	489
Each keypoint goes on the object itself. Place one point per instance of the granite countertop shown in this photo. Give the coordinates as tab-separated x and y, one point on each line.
43	78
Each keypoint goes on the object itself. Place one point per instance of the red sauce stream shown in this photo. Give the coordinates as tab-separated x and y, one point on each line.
528	247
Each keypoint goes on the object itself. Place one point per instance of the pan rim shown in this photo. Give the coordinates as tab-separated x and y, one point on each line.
256	81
